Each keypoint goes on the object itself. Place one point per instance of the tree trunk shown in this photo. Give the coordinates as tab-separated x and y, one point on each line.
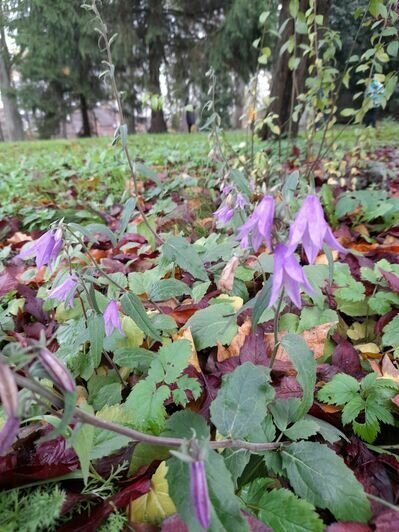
86	129
288	84
155	55
13	122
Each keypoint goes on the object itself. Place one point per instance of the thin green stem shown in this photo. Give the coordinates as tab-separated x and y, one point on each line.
275	329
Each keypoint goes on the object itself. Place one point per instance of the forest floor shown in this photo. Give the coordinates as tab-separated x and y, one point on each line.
347	379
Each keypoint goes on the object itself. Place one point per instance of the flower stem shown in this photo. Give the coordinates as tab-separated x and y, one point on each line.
275	329
135	435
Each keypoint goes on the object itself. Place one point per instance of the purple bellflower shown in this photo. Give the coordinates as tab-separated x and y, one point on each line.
9	399
311	229
65	291
233	200
56	370
111	319
199	493
258	228
45	249
288	275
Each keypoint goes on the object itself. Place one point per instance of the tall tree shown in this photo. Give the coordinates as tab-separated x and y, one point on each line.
13	122
59	61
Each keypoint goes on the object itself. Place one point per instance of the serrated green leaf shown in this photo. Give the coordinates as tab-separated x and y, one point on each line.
212	324
167	288
134	358
240	405
390	336
316	473
185	424
352	409
340	390
82	441
172	359
146	406
283	511
302	429
199	290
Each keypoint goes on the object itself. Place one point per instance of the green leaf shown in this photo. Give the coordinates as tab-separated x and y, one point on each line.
212	324
134	308
95	324
105	441
199	290
313	316
172	359
184	424
302	429
303	361
390	336
261	302
316	473
178	250
284	512
351	290
146	406
240	405
82	441
167	288
134	358
225	506
103	230
107	395
145	454
341	389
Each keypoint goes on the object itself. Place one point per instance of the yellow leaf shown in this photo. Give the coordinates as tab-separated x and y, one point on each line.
134	335
235	301
357	331
369	350
156	505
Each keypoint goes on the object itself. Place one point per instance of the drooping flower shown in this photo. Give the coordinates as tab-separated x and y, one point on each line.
199	493
241	201
288	275
9	399
56	370
224	213
65	291
311	229
258	228
45	249
111	318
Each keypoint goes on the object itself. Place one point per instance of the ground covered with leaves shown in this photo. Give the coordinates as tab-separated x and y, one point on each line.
193	350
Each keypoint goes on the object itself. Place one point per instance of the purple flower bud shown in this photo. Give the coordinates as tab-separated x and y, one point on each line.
9	399
258	228
241	201
288	274
65	291
45	249
311	229
56	370
111	319
199	493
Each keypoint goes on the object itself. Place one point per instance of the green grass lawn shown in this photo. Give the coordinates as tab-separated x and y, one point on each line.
45	180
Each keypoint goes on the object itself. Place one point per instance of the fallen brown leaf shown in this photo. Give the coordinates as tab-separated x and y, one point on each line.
238	341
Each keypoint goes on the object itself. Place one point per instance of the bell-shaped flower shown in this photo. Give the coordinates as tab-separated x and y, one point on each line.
258	228
65	291
9	399
45	249
224	213
199	493
311	230
289	275
56	370
111	319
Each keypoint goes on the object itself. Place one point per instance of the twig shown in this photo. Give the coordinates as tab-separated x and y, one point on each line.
135	435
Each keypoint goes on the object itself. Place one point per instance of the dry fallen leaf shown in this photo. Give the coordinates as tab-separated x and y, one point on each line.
238	341
387	370
369	350
19	237
322	259
315	339
226	281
